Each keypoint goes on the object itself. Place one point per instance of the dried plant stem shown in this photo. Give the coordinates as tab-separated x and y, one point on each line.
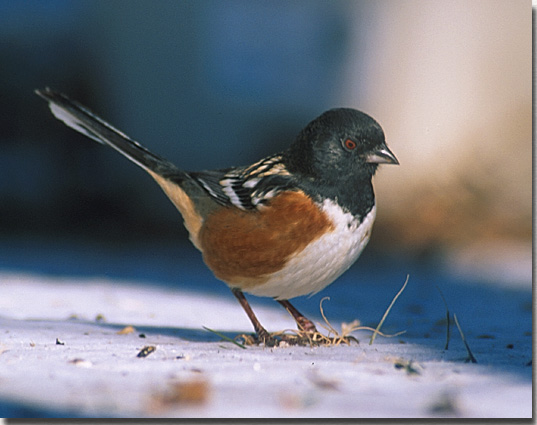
300	337
471	357
224	337
448	330
388	311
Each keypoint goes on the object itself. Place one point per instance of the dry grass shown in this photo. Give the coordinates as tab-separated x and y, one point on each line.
290	337
388	311
470	357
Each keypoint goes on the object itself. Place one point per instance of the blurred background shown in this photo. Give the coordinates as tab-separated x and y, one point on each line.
212	84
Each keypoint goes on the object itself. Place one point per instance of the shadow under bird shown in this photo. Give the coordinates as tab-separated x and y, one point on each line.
285	226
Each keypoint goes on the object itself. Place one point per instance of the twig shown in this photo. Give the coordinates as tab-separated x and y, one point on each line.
345	333
328	326
448	330
471	357
225	337
388	310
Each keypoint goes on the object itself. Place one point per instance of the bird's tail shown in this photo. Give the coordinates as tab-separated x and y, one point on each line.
86	122
178	185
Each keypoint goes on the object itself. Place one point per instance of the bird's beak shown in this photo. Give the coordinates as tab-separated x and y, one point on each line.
382	156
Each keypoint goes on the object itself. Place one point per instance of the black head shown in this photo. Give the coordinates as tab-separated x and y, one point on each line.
340	145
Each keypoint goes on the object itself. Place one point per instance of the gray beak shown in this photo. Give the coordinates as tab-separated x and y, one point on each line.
382	156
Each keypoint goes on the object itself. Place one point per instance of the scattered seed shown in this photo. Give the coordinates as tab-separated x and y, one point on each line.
407	366
126	330
81	363
146	351
486	336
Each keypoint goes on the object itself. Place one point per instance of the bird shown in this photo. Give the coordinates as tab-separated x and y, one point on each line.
285	226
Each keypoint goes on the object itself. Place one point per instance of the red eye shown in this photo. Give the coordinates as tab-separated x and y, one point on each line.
350	144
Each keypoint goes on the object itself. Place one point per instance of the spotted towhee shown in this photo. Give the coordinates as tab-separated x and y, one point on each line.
287	225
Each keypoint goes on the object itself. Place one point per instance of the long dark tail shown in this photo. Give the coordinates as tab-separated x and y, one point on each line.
86	122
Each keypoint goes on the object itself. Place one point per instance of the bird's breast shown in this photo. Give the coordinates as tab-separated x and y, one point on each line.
243	248
292	247
323	260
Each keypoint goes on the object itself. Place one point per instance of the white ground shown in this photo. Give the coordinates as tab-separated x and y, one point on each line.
94	371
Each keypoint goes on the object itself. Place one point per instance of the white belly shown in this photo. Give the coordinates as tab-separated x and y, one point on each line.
324	260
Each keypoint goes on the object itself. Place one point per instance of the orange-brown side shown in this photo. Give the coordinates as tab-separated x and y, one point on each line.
244	247
193	220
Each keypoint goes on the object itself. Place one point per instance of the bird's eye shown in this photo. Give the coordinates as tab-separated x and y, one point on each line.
349	144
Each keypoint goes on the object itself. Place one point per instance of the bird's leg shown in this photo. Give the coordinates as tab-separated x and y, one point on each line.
260	331
302	321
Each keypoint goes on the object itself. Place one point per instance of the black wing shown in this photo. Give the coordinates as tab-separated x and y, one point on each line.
247	187
244	187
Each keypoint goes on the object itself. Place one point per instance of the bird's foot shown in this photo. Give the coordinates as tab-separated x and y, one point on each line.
296	338
284	338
